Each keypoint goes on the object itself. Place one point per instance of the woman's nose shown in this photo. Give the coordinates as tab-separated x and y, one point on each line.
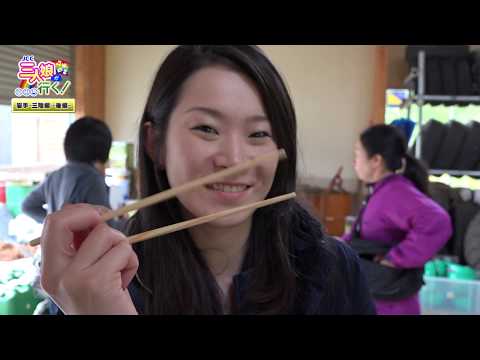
230	153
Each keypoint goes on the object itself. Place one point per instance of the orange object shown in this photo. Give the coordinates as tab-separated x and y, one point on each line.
3	196
9	252
333	206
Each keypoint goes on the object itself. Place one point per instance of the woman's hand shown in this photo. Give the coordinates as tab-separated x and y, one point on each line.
92	280
382	261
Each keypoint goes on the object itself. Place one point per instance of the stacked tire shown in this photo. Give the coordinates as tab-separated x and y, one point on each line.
449	71
451	146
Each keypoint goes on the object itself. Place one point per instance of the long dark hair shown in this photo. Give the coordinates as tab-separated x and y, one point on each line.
391	144
172	268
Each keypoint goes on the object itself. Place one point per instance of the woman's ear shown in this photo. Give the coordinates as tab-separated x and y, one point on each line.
151	138
377	161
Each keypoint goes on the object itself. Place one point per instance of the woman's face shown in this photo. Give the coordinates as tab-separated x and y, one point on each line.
364	166
219	121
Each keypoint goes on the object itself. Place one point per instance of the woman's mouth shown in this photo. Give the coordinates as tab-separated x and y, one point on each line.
227	193
227	188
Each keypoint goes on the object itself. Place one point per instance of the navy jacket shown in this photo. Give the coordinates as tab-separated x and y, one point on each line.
331	281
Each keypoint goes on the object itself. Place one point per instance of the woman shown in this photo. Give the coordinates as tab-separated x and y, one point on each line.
400	227
210	108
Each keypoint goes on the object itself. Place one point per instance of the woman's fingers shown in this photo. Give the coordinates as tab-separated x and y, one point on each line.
101	209
100	240
108	251
121	259
131	269
93	279
57	238
387	263
65	222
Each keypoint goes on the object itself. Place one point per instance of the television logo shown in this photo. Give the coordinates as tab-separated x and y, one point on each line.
42	79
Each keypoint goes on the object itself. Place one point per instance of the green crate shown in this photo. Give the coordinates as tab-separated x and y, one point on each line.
15	194
19	301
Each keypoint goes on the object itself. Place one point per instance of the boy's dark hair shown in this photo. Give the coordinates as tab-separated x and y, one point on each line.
88	140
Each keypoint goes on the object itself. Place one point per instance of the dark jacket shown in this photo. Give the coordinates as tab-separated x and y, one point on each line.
331	281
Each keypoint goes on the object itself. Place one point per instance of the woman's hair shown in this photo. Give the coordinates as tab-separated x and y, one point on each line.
172	268
88	140
390	143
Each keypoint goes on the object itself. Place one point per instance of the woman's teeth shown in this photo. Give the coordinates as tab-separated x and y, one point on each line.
228	188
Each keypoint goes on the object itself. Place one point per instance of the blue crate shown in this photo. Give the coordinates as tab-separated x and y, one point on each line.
443	296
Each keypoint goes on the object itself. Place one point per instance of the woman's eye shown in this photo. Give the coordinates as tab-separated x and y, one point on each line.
206	129
260	134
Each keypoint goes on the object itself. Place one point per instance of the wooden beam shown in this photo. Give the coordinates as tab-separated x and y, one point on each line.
380	85
90	81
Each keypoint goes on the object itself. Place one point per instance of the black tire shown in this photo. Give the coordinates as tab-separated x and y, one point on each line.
451	146
435	50
449	77
464	78
475	59
463	214
434	80
472	243
433	134
470	155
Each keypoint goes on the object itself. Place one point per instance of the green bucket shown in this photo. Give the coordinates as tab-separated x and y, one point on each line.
430	269
442	267
15	194
19	301
458	272
6	303
437	268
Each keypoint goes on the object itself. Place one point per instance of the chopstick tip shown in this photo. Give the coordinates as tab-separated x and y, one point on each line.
35	242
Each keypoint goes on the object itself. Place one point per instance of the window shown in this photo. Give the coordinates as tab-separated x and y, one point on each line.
30	139
5	136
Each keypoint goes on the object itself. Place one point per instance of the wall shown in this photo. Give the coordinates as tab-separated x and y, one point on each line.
397	66
331	87
130	71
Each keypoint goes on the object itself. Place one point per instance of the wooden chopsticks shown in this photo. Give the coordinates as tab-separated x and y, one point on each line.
209	179
205	219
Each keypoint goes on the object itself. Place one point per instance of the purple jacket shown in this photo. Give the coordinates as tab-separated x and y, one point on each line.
398	214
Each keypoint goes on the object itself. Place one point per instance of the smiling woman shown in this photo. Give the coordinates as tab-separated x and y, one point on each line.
210	108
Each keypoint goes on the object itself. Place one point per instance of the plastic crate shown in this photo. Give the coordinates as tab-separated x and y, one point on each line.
15	194
443	296
17	293
20	301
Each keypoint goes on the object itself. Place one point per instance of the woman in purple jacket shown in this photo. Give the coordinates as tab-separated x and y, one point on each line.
398	214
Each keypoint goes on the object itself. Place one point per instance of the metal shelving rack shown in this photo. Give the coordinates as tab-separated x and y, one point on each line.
420	98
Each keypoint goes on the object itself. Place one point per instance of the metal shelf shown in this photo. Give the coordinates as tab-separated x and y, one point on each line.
455	172
448	98
420	98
